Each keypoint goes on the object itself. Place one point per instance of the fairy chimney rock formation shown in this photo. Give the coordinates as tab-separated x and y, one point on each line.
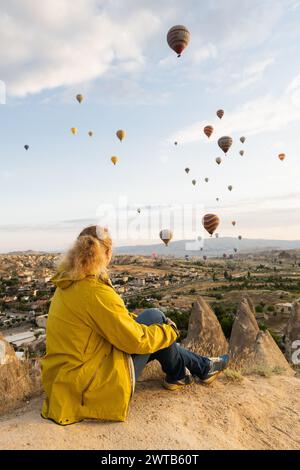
292	335
252	349
205	334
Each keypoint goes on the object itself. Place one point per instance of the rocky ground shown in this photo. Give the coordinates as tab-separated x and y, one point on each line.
258	413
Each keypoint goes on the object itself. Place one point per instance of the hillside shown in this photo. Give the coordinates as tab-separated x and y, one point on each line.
211	246
258	413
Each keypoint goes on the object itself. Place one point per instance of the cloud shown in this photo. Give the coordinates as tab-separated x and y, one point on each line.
263	114
44	45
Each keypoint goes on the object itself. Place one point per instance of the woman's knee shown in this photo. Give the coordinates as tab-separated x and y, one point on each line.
150	316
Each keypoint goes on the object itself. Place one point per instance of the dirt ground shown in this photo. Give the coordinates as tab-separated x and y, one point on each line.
258	413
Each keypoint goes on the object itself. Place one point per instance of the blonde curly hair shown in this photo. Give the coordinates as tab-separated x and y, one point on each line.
89	254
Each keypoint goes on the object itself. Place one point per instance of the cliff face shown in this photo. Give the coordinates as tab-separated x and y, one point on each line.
292	336
18	379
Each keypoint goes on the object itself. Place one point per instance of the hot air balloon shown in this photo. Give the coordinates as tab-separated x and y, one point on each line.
114	160
194	182
187	170
230	187
90	133
220	113
139	210
206	180
178	38
166	235
205	257
242	152
224	255
186	257
218	160
175	143
74	130
225	143
201	249
121	134
210	223
233	222
208	130
217	199
235	250
281	156
242	139
26	147
240	237
79	98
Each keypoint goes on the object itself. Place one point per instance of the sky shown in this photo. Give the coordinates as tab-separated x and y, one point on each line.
243	57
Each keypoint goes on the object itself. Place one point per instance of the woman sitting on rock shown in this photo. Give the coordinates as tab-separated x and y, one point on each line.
96	349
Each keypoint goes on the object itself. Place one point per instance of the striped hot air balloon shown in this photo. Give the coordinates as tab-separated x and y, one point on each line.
166	236
210	223
208	130
225	143
178	38
220	113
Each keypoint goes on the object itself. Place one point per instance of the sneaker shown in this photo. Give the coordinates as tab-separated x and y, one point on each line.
217	365
175	385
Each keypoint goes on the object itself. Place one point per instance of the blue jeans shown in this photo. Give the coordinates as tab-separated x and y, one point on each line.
173	359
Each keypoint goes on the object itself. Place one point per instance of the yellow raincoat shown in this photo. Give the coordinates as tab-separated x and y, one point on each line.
87	371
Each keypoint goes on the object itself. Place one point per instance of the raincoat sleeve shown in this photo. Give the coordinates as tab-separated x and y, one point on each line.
111	319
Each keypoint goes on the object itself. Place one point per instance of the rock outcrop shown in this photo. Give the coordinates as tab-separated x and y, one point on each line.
18	379
205	335
254	350
292	336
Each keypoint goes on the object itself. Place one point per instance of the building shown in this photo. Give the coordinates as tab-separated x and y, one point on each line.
284	308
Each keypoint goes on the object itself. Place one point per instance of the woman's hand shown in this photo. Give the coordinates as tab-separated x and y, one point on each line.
173	325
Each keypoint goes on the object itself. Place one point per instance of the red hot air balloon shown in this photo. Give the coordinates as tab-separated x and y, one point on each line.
208	130
210	223
220	113
178	38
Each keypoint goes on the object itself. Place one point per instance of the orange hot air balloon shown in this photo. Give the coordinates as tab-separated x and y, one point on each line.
208	130
281	156
225	143
218	160
166	236
242	152
121	134
114	160
210	223
178	38
233	222
220	113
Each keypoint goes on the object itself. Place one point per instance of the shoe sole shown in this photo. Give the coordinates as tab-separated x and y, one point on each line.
211	379
173	387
